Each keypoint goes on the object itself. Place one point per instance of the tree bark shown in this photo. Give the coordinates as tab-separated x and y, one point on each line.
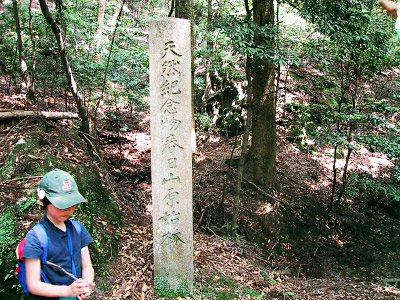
184	10
31	88
261	167
100	21
245	142
24	68
20	114
67	69
210	45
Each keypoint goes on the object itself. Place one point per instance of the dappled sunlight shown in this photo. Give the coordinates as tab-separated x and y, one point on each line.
387	289
337	241
16	101
201	158
214	139
361	160
149	209
265	209
374	162
139	146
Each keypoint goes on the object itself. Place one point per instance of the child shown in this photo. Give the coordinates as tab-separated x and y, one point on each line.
58	194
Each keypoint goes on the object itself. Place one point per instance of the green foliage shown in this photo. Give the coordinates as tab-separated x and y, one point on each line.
351	28
7	239
133	73
381	191
127	67
232	122
218	286
25	150
241	32
351	50
203	121
228	231
8	242
164	288
8	38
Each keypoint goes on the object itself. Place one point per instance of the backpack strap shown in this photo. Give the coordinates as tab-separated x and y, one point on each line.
41	234
77	226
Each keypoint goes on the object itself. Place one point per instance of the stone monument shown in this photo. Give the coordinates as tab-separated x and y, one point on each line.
171	153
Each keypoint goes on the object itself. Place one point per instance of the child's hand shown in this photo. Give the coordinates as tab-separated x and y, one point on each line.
86	295
80	287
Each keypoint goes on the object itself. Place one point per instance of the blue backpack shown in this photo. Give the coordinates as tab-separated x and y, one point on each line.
41	234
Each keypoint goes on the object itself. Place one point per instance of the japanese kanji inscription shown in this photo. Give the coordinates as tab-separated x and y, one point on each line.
171	150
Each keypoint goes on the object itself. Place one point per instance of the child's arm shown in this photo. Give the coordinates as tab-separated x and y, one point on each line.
87	271
87	268
37	287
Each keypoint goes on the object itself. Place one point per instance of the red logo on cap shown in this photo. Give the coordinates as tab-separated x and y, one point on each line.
67	185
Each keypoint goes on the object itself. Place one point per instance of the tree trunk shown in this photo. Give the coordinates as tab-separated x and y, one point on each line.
334	180
245	142
184	10
67	69
100	21
207	77
94	112
261	167
24	69
31	88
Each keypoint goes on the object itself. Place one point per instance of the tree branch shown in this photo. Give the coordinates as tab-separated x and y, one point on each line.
19	114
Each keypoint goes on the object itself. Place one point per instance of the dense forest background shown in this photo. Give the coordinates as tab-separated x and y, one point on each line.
296	171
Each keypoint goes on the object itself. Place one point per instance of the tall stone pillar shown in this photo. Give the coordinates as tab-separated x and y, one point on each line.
171	153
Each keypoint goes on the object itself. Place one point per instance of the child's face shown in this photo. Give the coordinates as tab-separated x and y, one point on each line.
59	215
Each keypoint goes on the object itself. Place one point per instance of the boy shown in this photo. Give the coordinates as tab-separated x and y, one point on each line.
58	194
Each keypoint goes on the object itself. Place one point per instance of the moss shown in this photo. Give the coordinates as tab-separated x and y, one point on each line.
22	156
218	286
10	236
164	288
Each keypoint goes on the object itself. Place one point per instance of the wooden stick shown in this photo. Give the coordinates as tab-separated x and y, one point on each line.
53	265
21	178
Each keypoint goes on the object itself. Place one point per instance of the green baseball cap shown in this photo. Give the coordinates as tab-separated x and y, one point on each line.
60	188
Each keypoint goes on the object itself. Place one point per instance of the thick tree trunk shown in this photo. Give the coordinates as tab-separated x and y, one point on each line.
245	142
67	69
261	167
207	76
184	10
24	68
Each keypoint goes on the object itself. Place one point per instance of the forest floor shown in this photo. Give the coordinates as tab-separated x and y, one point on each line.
289	245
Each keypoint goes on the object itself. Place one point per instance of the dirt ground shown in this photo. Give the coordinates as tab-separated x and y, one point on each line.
289	245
